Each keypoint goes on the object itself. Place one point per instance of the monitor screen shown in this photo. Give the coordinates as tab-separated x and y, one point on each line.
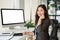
12	16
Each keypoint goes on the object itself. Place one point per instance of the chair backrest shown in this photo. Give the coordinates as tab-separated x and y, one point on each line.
54	21
53	35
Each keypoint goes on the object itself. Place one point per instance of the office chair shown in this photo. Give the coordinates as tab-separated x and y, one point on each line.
53	35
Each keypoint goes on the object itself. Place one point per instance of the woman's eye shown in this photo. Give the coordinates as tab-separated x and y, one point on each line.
41	10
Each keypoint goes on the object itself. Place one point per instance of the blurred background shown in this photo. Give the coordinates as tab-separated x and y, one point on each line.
29	7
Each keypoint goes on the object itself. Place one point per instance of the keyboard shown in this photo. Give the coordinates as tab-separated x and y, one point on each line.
6	34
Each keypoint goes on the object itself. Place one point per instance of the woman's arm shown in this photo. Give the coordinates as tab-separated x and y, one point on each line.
45	25
28	33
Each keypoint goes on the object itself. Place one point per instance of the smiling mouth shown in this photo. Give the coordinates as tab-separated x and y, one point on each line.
40	14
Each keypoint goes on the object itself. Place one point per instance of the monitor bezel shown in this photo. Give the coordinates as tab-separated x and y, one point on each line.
12	23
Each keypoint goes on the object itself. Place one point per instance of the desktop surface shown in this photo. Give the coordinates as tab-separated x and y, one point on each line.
15	34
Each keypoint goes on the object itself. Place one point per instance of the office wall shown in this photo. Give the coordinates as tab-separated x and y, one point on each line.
9	4
0	15
21	4
6	4
30	8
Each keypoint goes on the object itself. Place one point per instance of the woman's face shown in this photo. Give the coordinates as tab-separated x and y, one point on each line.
40	11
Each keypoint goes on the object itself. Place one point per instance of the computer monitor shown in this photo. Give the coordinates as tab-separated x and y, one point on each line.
12	16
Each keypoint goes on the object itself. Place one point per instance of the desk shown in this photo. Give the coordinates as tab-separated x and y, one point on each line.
5	37
12	37
19	38
25	37
15	31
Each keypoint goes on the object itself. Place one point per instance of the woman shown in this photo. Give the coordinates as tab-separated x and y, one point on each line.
42	23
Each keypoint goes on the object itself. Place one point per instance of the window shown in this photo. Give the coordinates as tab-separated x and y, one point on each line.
54	9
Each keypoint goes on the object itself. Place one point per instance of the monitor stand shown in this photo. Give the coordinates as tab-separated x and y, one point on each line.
12	27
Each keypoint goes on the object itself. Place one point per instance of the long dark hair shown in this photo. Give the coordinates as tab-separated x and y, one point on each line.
45	14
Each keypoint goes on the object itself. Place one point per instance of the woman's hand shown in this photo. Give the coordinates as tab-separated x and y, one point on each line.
28	33
31	33
42	17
